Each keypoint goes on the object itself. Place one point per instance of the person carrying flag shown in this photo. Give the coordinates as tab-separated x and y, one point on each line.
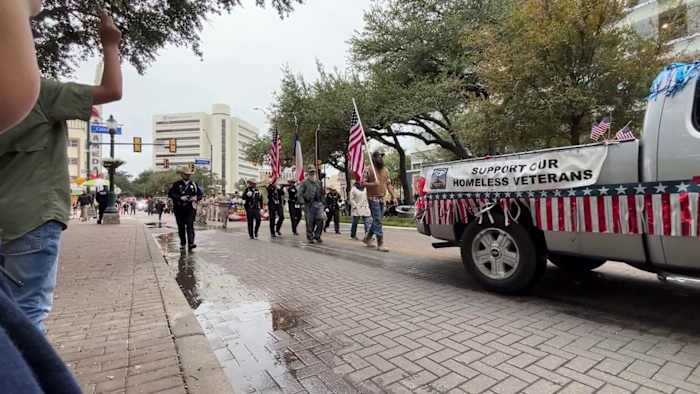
275	207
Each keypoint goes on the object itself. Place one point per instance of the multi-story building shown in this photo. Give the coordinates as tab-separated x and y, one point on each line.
673	22
217	137
77	152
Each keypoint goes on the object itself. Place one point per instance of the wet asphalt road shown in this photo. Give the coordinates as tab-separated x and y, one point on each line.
284	316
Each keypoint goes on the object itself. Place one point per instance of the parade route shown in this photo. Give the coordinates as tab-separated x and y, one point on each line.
285	316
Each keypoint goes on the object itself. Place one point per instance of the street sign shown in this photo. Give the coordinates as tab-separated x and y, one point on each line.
202	162
101	128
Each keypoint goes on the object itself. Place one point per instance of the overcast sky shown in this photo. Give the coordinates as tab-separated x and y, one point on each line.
243	56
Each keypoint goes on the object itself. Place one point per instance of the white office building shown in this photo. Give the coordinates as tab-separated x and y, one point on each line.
217	137
675	22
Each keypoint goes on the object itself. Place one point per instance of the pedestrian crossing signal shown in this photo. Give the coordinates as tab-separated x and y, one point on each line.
137	145
172	145
166	163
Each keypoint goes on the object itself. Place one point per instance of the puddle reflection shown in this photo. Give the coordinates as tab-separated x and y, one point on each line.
247	331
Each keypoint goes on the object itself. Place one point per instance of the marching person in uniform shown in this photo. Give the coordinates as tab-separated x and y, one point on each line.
160	207
275	207
253	204
311	197
333	210
102	198
185	194
294	207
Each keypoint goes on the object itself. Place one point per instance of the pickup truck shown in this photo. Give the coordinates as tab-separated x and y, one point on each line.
635	202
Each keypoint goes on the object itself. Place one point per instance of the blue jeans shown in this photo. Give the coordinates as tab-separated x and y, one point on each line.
377	209
355	219
33	259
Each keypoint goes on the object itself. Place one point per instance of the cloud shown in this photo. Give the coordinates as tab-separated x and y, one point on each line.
243	56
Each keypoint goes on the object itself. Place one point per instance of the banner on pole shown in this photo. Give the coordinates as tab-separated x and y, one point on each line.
547	170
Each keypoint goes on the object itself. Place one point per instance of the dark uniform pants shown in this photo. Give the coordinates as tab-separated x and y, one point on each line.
276	218
314	223
253	217
101	213
295	216
334	215
185	225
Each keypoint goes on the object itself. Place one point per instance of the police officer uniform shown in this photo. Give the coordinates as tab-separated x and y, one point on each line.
333	210
102	198
275	206
294	207
253	204
185	193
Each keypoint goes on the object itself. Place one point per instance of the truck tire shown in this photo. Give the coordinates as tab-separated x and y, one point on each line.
501	258
575	263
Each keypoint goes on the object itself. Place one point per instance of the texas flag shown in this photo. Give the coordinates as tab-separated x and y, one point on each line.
298	159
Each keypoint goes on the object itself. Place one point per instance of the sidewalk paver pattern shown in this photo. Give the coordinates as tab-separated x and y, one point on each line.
286	319
109	322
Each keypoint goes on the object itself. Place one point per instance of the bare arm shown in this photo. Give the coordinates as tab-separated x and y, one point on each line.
19	71
110	88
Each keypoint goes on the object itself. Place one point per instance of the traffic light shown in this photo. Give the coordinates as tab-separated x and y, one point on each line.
166	163
191	165
172	145
137	145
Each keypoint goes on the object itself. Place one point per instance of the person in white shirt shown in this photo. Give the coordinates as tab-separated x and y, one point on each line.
359	208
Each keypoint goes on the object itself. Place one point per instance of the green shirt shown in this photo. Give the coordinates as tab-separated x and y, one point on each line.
34	161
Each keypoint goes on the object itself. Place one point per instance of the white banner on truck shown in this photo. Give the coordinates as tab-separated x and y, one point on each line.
548	170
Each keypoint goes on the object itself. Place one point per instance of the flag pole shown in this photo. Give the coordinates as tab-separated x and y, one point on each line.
364	136
610	128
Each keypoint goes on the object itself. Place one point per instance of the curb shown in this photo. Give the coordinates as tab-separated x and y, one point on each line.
201	370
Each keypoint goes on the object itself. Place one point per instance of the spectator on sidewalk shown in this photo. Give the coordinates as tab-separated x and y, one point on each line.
102	198
185	194
160	207
19	71
28	363
359	208
377	189
35	169
85	200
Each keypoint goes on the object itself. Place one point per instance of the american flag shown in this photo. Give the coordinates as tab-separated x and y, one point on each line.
356	147
275	156
625	134
669	208
600	129
95	114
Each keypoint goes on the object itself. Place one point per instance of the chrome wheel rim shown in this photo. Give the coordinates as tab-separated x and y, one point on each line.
495	254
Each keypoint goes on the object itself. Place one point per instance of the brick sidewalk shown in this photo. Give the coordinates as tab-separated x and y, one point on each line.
120	321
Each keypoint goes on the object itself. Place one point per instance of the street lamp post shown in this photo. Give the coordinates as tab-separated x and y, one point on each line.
111	214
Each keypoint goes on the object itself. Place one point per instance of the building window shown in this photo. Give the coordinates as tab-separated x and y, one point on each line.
175	130
178	121
223	150
73	161
673	23
73	143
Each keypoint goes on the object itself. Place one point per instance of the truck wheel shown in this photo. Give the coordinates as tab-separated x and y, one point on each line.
502	259
575	263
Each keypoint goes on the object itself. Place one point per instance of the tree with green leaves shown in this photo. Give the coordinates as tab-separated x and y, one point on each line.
66	31
257	152
421	73
554	67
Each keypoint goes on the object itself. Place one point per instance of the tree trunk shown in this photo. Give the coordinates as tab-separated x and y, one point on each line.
575	130
403	174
